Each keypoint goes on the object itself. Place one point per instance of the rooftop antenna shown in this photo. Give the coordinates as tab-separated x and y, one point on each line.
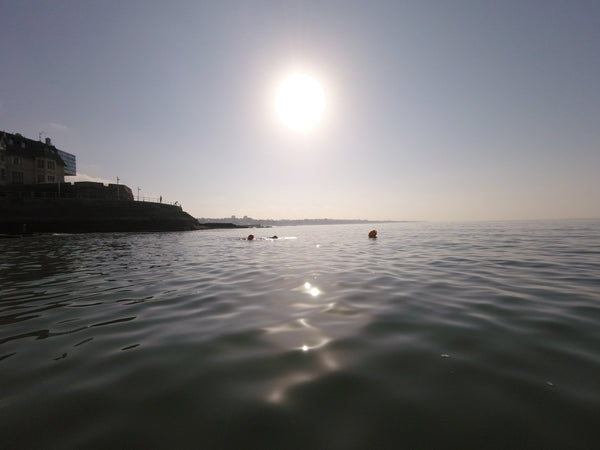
40	135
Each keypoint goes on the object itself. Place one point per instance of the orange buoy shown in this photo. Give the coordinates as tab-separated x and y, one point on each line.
373	234
250	237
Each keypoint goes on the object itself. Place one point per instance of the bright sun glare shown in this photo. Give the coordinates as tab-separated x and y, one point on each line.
300	102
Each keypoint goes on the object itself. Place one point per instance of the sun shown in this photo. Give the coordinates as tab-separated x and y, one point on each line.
300	101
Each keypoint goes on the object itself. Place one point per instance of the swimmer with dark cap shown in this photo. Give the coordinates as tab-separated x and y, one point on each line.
373	234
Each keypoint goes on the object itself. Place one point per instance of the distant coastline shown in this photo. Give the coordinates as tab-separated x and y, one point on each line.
249	222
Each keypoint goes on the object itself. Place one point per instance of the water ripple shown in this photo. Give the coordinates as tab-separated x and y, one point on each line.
327	340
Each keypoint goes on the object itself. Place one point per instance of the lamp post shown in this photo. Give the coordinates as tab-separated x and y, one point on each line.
117	188
139	193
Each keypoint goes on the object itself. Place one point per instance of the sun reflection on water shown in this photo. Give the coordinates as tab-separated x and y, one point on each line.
305	329
312	290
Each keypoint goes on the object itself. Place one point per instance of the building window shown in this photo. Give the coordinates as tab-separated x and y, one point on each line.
22	144
17	177
2	175
41	178
40	163
50	178
51	165
16	161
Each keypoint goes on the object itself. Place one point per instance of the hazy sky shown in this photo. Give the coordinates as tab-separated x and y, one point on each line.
435	110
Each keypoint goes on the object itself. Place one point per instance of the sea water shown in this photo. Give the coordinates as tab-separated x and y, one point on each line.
472	335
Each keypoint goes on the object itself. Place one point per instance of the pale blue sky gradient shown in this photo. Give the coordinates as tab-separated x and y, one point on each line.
437	110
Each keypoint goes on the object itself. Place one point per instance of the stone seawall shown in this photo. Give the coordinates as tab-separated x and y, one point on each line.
80	189
70	215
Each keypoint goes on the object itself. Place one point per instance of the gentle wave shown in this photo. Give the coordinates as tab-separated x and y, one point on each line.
430	336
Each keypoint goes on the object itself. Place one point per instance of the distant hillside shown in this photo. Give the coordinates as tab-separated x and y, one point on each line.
250	222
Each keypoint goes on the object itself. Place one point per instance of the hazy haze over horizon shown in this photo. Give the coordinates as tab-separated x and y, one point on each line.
463	110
